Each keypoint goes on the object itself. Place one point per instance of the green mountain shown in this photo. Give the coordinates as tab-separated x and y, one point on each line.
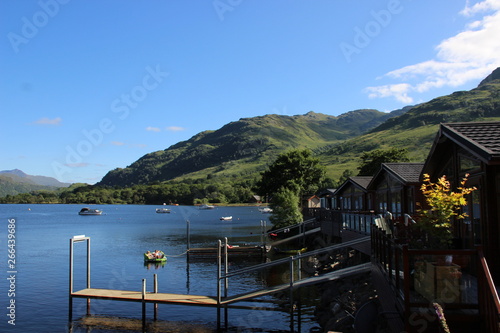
243	148
15	181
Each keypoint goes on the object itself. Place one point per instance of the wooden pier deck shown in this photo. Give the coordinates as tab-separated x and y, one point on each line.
220	302
149	297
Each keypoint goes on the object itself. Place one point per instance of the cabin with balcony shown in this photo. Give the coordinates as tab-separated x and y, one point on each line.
420	287
353	202
326	197
417	280
472	149
396	188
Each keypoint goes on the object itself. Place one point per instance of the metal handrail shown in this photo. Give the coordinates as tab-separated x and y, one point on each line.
298	225
225	275
296	257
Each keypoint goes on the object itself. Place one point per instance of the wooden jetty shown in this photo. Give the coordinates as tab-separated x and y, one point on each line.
222	300
211	301
148	297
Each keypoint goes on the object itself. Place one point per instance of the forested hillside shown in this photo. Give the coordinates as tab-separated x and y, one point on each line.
245	147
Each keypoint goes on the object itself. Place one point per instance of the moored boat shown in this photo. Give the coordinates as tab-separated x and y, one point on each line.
89	211
162	210
226	218
206	207
157	256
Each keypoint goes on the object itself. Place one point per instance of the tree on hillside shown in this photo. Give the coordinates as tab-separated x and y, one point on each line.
345	176
285	207
371	161
293	174
297	170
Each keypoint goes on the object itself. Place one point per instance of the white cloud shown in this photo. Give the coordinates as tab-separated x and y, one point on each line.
470	55
175	128
398	91
169	128
117	143
480	7
48	121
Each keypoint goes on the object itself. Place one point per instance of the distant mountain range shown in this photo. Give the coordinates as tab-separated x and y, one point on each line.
243	148
16	181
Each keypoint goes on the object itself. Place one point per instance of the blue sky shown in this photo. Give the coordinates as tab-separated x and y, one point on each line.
89	86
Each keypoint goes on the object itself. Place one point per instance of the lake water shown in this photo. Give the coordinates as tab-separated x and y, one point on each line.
38	282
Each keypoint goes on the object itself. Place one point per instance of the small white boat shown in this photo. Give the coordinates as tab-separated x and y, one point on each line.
89	211
206	207
162	210
226	218
266	210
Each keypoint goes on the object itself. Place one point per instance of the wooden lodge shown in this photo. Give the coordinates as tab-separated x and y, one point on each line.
474	149
410	281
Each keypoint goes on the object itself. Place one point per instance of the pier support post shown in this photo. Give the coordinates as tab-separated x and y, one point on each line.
291	295
77	239
70	314
155	287
144	305
188	237
226	282
219	260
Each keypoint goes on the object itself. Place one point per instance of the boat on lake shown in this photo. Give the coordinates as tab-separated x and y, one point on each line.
226	218
89	211
157	256
266	210
206	207
162	210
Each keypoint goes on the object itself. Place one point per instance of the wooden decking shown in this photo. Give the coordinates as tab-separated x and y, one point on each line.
136	296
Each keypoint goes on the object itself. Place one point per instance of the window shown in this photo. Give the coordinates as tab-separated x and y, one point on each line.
468	164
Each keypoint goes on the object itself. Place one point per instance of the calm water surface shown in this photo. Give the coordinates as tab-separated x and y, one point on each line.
119	238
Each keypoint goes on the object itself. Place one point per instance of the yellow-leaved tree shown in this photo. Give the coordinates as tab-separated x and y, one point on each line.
443	205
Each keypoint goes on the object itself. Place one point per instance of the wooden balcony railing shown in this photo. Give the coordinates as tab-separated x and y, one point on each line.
489	305
459	280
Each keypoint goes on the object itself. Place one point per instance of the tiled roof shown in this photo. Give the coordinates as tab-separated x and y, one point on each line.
482	138
408	172
362	181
